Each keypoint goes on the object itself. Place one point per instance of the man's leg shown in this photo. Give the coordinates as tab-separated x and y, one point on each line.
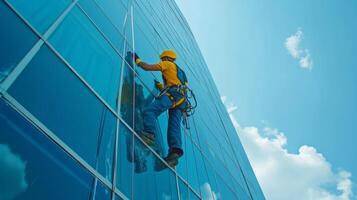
174	139
150	115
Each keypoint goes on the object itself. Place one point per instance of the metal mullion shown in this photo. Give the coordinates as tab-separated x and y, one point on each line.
53	137
134	91
10	79
118	111
177	187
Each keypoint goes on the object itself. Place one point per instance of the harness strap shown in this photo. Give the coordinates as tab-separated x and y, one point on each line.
175	103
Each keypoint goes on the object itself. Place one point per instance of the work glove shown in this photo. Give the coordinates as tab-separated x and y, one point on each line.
159	85
136	58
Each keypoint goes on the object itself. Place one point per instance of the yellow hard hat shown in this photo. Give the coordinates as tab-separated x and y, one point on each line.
168	53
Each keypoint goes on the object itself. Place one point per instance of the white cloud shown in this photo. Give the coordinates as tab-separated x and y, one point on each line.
12	173
293	45
294	176
306	61
208	193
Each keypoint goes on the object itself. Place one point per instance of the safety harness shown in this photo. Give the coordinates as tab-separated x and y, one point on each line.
181	96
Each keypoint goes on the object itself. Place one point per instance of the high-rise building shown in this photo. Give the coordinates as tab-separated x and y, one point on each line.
71	106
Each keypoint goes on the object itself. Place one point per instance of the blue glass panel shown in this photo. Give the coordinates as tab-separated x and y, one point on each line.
201	171
213	186
192	167
186	192
182	168
146	51
99	191
16	39
155	182
34	167
126	161
54	95
89	53
226	193
40	13
100	18
116	11
144	96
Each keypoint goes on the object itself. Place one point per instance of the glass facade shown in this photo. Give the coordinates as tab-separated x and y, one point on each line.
71	106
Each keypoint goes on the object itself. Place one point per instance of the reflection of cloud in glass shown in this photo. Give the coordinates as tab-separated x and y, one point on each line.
5	72
12	173
208	193
166	197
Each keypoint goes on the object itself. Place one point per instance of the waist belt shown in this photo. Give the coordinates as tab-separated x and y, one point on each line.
172	92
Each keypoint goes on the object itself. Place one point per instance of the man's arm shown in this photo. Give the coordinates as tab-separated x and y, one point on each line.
145	66
148	67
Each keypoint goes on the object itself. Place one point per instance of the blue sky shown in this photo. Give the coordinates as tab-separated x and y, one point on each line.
301	105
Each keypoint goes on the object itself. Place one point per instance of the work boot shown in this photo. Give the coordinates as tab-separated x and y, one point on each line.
148	138
172	159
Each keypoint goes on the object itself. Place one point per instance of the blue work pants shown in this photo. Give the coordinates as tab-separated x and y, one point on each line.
151	113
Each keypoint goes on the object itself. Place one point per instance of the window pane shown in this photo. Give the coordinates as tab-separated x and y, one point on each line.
54	95
40	13
89	53
127	94
134	156
16	40
116	11
101	19
186	192
154	182
34	167
203	179
192	167
126	161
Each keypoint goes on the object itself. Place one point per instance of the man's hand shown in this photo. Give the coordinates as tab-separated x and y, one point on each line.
143	65
158	85
135	57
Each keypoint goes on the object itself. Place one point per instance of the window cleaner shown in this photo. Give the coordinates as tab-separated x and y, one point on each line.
174	97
